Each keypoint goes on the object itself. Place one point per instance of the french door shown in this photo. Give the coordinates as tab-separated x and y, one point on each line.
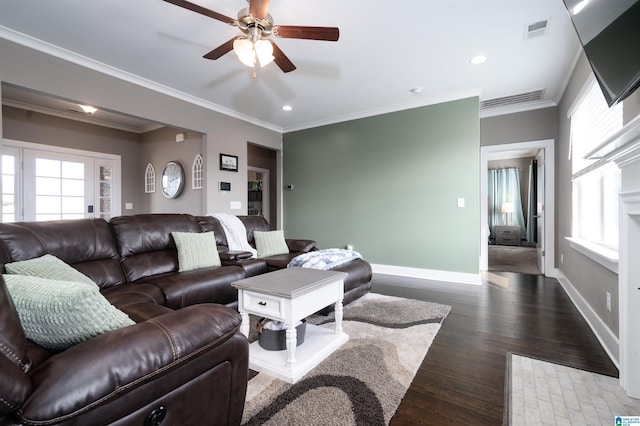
59	184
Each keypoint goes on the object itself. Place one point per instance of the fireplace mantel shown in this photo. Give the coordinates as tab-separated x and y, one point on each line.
627	157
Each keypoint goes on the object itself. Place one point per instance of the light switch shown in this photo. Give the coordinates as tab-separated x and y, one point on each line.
236	205
460	202
128	206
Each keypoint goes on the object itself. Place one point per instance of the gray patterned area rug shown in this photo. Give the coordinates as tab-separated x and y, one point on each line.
365	380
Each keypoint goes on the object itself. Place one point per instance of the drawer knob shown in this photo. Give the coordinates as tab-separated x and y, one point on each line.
262	303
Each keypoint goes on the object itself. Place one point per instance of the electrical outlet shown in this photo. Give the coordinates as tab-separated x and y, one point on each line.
608	301
561	258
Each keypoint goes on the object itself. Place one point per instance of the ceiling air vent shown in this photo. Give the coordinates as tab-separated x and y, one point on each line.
535	29
536	95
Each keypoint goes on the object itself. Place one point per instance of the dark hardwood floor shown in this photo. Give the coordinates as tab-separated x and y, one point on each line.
462	379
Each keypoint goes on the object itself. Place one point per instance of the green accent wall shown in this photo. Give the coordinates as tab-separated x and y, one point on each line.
389	185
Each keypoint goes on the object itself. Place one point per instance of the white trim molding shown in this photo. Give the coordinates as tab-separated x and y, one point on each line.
607	338
548	145
427	274
604	256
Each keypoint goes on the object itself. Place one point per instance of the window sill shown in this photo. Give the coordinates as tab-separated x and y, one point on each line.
604	256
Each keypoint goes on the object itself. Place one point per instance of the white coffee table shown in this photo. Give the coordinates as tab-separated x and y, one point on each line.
290	295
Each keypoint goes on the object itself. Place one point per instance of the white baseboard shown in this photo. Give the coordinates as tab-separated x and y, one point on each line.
608	340
427	274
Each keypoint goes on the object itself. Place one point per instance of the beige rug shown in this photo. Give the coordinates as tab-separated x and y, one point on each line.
364	381
544	393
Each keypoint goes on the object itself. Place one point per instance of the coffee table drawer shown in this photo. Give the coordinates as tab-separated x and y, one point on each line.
262	304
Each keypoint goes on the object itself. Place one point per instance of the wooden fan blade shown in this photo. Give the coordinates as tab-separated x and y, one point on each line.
202	10
281	59
307	33
259	8
223	49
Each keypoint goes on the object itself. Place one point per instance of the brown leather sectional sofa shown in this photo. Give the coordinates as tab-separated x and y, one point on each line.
183	362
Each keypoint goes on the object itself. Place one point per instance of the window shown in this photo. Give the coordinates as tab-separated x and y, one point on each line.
150	179
596	182
197	173
10	162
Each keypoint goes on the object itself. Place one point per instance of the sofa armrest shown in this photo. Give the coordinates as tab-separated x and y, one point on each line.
300	246
233	255
103	370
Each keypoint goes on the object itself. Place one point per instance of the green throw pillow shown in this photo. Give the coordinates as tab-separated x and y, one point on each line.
270	243
59	314
48	266
196	250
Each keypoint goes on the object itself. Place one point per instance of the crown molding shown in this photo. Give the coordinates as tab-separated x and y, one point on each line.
75	58
433	100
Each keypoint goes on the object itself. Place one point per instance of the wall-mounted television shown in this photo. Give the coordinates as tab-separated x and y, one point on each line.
609	31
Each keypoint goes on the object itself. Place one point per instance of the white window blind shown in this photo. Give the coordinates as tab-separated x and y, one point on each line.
596	183
592	121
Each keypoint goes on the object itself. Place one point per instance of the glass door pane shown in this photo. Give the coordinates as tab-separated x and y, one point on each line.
105	175
10	182
57	186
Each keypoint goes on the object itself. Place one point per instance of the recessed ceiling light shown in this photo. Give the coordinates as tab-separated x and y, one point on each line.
477	60
287	108
88	109
416	90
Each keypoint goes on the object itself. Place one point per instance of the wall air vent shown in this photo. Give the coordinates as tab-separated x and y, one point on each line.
504	101
535	29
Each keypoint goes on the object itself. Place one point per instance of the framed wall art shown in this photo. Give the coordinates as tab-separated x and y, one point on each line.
229	162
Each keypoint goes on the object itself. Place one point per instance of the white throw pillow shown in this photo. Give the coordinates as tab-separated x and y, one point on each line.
47	266
196	250
270	243
59	314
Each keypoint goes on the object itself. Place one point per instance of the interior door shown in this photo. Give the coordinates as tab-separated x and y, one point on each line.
57	186
539	216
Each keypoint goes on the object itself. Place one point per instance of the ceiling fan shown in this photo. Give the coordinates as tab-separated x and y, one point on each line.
255	46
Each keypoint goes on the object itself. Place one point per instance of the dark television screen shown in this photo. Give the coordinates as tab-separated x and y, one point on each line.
609	31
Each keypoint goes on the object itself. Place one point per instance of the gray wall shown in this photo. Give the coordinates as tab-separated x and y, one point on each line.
28	126
539	124
25	67
388	185
590	278
158	148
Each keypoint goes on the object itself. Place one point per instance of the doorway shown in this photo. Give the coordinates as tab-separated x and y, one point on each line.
258	192
543	151
262	178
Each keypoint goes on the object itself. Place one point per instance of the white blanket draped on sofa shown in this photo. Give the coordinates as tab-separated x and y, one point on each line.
235	232
324	259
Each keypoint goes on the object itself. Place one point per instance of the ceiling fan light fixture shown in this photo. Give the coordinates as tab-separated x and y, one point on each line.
244	50
264	52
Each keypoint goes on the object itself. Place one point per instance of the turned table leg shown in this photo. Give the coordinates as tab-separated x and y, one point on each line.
292	339
244	326
338	313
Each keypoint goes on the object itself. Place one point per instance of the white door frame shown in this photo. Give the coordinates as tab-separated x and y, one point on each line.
548	147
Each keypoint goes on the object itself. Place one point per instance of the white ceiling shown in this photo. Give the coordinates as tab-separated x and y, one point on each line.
385	50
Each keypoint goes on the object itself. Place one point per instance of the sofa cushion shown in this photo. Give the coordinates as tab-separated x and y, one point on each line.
47	266
60	314
270	243
88	245
196	250
206	285
145	243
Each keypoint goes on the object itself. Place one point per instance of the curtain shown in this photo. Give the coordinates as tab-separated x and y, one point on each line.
505	205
